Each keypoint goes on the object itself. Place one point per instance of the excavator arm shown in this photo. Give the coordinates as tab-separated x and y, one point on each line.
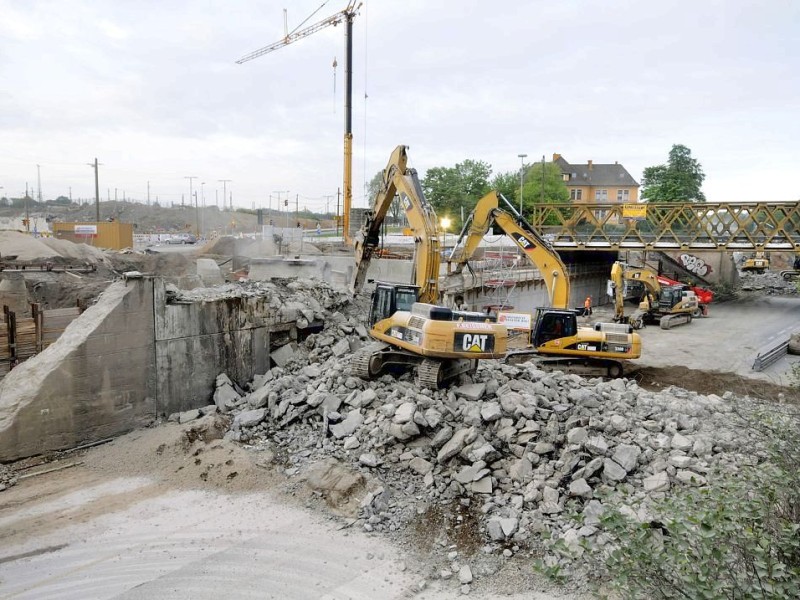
540	253
399	180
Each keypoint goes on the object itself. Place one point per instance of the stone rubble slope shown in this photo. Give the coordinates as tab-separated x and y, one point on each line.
515	452
769	282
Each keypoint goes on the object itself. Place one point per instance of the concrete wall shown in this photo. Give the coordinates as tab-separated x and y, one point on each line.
196	342
125	360
97	380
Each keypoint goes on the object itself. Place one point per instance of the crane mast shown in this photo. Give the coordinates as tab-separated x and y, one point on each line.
347	15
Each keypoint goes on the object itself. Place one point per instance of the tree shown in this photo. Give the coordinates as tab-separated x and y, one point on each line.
449	189
373	187
679	180
537	188
507	184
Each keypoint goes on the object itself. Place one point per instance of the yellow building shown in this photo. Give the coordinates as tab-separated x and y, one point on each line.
112	235
598	184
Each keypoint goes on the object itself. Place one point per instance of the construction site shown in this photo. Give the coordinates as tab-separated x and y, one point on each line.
184	420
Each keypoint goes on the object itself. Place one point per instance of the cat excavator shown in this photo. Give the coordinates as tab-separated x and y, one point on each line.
555	337
668	306
411	331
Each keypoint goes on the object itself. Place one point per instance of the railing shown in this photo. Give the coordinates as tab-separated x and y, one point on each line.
700	226
773	353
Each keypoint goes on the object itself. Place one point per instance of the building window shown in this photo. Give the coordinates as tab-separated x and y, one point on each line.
575	194
623	195
565	176
600	215
601	195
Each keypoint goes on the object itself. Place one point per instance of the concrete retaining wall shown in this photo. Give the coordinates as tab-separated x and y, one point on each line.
127	359
196	342
97	380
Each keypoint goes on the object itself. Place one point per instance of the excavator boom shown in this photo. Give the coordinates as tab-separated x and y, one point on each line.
399	180
539	252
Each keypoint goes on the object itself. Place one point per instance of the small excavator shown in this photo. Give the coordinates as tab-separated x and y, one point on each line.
792	274
410	329
758	263
556	339
669	306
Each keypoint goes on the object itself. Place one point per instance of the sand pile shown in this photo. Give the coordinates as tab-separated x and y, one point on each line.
30	249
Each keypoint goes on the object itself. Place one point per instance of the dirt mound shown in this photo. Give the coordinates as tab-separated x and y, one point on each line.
30	249
712	382
185	456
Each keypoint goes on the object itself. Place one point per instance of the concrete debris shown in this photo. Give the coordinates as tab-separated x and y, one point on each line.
7	478
526	450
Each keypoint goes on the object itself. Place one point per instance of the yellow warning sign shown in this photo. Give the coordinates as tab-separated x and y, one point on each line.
634	211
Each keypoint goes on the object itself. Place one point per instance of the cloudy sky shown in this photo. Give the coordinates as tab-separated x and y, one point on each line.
152	90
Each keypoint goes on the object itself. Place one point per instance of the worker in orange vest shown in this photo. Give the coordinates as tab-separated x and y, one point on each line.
587	306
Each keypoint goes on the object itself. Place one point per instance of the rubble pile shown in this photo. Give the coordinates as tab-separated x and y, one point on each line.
513	452
299	301
7	478
769	282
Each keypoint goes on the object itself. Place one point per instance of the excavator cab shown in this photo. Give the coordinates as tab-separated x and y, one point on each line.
551	324
388	298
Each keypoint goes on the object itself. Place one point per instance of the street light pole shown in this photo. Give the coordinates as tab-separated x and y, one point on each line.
190	178
521	171
203	206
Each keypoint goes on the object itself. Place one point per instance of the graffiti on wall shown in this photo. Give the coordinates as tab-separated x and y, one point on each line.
695	264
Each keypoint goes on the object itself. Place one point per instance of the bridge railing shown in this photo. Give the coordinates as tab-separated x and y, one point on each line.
699	226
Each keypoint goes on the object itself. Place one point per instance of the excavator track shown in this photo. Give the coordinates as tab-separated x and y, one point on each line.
367	363
670	321
430	373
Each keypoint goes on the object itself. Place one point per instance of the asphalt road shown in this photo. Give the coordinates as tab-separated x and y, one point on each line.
728	340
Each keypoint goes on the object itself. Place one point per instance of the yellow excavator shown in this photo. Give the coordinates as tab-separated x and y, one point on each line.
668	306
758	263
555	337
410	330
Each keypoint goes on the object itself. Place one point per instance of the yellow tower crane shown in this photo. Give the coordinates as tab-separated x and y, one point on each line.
347	15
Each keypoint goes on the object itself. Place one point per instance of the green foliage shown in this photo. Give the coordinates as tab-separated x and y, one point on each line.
507	184
543	184
449	189
680	180
738	538
374	186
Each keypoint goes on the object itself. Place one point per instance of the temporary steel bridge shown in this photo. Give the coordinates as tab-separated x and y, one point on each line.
702	226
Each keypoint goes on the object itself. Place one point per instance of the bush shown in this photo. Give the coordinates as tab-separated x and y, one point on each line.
737	538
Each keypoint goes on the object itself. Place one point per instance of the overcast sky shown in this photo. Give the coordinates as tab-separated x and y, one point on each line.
152	90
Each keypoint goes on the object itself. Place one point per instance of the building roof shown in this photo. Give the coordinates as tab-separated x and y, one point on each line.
594	174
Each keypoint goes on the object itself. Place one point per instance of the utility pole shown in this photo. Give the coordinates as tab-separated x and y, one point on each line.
225	183
190	178
148	193
39	183
96	191
285	204
297	207
70	194
521	172
542	178
327	204
196	215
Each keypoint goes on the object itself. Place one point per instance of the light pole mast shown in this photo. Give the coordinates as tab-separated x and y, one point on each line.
225	183
190	178
521	172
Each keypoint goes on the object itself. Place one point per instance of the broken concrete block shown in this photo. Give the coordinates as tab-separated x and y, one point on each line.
471	391
284	354
341	348
349	426
189	415
249	418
